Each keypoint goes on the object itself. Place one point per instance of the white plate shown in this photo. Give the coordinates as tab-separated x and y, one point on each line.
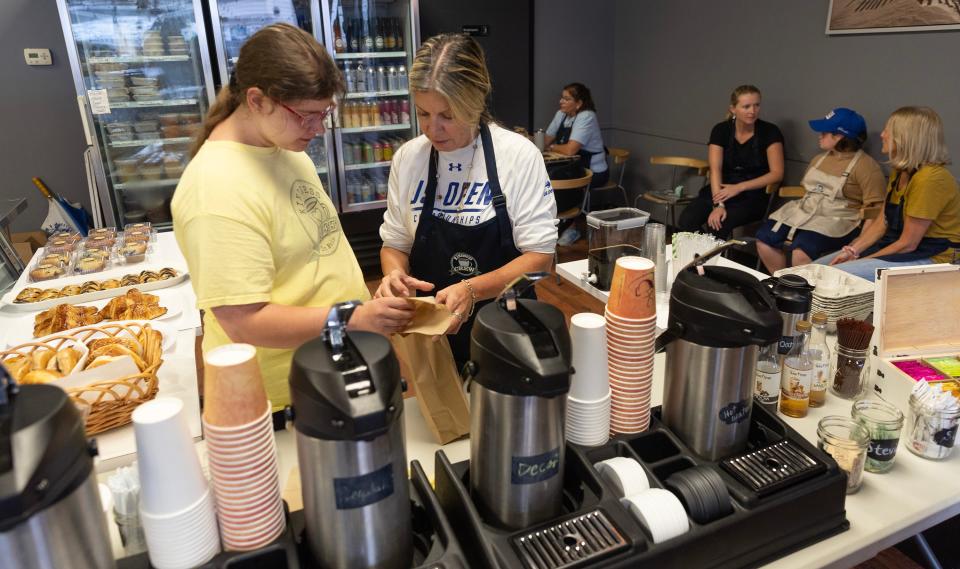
116	273
20	329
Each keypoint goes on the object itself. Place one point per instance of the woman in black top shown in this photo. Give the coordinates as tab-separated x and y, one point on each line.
746	154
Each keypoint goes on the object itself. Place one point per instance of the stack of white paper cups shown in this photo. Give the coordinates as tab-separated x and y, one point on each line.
241	450
176	505
588	402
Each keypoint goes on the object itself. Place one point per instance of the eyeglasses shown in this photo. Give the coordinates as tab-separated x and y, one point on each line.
313	121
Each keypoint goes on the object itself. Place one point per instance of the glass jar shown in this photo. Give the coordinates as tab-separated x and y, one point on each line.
850	371
883	422
846	441
931	432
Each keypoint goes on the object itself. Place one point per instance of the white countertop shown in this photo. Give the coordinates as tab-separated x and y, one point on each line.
178	374
890	507
915	495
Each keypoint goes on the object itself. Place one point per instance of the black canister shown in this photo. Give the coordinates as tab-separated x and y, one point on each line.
50	512
520	366
347	409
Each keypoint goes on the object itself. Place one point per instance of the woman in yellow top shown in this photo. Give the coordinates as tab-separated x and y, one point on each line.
263	242
921	221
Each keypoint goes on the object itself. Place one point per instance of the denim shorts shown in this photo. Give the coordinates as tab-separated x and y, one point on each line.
814	244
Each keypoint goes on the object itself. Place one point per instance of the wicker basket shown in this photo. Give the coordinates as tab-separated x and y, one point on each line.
111	402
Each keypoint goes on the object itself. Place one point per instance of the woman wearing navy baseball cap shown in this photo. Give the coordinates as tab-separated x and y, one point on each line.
920	224
845	187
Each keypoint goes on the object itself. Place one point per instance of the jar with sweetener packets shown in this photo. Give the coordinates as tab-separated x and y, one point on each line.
931	432
883	422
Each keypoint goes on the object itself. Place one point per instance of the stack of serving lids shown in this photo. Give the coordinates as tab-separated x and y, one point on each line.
837	293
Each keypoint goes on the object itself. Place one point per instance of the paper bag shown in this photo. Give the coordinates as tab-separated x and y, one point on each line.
429	366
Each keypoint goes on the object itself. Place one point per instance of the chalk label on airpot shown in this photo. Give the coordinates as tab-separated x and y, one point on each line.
359	491
537	468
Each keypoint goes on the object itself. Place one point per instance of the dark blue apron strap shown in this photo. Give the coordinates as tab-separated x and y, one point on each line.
499	202
429	199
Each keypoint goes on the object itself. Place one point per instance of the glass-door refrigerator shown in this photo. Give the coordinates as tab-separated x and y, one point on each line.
233	21
144	83
373	42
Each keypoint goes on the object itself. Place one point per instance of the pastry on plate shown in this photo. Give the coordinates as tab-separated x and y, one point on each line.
109	284
64	317
119	350
128	280
134	305
70	290
28	294
48	294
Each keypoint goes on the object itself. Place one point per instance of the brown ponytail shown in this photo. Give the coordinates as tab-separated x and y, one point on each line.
739	92
286	63
455	66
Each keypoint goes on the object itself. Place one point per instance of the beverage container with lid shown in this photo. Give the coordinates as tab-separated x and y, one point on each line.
820	358
612	234
347	412
797	375
520	367
719	316
794	297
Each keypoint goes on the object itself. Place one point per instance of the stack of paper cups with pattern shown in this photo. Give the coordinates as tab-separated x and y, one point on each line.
241	450
176	505
588	402
631	323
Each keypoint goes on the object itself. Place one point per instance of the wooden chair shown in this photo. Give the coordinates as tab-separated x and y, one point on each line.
702	169
582	184
619	157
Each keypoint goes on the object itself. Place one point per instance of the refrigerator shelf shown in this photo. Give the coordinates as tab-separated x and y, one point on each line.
135	143
362	206
157	103
378	128
370	54
147	184
366	166
138	59
369	94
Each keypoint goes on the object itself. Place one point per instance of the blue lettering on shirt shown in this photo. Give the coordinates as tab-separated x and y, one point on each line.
548	189
450	197
417	197
486	197
473	192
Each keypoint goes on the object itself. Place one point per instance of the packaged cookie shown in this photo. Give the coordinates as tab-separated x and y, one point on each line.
92	260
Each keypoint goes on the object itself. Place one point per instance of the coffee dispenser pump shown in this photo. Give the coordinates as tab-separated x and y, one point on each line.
50	511
520	370
718	318
347	411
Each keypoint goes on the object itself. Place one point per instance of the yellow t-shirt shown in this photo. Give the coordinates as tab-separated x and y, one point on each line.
256	225
933	194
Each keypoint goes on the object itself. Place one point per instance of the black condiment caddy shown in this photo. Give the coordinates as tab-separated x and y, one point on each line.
766	523
435	545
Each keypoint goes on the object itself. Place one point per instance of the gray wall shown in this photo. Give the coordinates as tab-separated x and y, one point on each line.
675	71
42	134
573	41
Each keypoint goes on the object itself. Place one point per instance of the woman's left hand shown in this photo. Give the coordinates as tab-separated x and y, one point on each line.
456	297
726	192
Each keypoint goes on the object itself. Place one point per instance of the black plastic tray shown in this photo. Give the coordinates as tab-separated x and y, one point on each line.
435	544
760	529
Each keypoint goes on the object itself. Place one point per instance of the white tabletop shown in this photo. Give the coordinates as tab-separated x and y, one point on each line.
915	495
177	375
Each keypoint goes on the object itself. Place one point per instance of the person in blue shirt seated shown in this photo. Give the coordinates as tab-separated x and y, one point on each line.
575	130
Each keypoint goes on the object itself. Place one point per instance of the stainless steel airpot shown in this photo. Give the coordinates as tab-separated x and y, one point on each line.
347	411
50	512
520	366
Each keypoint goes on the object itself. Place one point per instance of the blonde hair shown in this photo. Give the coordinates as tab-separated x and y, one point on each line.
739	92
916	135
286	63
455	66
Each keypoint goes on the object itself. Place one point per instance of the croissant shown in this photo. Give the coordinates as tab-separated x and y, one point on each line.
130	343
18	366
67	359
39	376
119	350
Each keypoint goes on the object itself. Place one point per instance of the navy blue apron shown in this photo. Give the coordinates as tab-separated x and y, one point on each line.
928	246
445	253
563	137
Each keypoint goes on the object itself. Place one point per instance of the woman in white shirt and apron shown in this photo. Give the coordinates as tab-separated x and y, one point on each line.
844	188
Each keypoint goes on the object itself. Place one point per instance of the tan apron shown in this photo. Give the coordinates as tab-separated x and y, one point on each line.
823	208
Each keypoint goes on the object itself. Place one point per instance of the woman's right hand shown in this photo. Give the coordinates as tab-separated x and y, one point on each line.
842	257
398	283
716	218
386	316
